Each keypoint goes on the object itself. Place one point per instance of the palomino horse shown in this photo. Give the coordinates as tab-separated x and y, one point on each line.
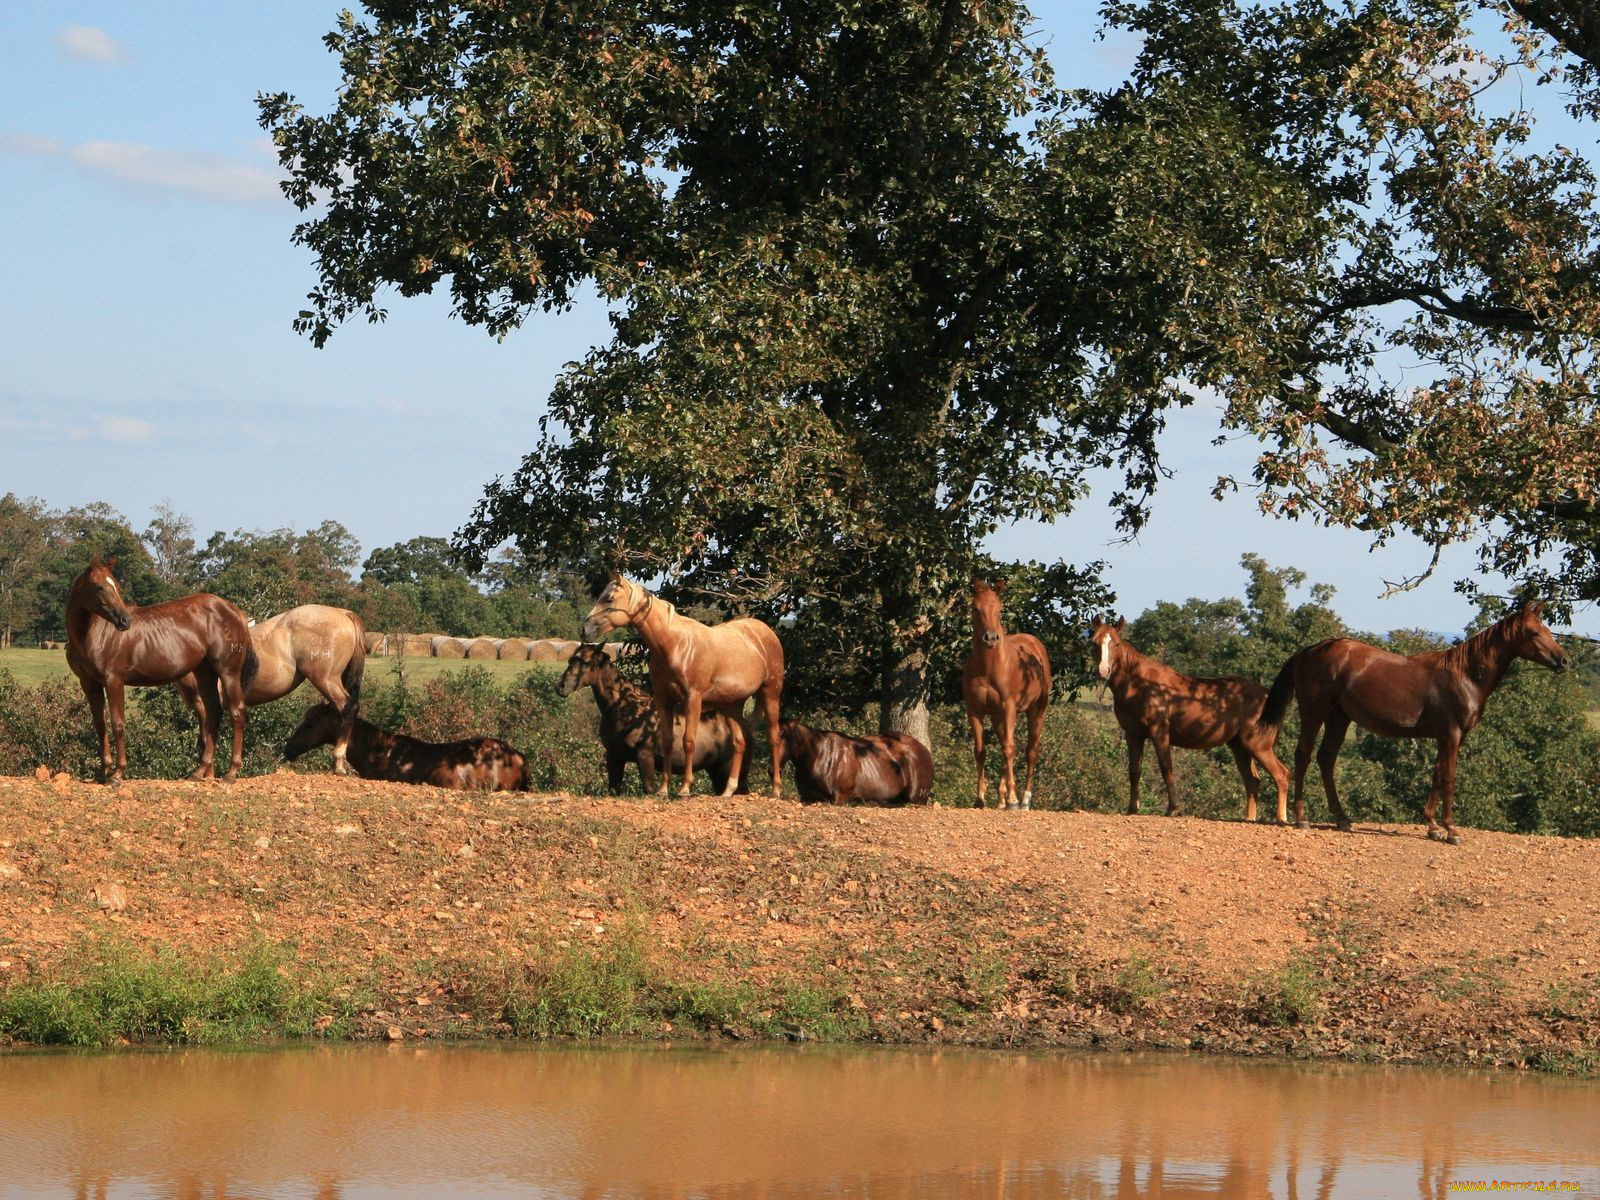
835	768
1005	674
1155	703
325	645
1438	695
693	666
482	764
112	644
628	726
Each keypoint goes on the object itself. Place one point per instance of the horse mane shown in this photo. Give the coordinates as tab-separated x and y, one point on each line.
1472	657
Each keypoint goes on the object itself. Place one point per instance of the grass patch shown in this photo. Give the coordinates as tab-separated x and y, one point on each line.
1291	995
1135	987
107	993
31	667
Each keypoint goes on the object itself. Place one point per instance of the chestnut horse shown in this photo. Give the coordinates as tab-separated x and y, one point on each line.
1005	674
112	644
1156	703
628	726
1439	694
325	645
473	764
893	768
693	666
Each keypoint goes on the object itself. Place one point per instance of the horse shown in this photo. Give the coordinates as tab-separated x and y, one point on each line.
628	726
325	645
893	768
1005	674
1156	703
1439	694
472	764
695	666
112	645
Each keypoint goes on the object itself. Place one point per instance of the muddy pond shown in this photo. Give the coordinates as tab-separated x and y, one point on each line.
409	1121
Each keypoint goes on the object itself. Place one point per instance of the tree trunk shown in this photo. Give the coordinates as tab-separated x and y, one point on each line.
906	683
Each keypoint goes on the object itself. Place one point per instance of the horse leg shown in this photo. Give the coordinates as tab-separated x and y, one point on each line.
1310	726
1008	748
96	696
1338	726
977	750
1247	772
736	758
691	729
1035	730
189	690
334	692
233	700
1268	758
1164	761
206	684
1444	784
617	765
768	700
1135	760
666	714
115	700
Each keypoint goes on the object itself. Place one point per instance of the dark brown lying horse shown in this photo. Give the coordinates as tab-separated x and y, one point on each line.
473	764
628	727
1155	703
112	645
837	768
1438	695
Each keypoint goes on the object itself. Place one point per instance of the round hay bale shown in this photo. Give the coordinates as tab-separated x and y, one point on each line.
548	650
416	645
615	649
514	648
376	643
483	648
449	647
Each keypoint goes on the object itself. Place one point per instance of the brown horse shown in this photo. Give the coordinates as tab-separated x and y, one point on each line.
473	764
325	645
628	726
1155	703
695	666
112	645
1005	674
836	768
1438	695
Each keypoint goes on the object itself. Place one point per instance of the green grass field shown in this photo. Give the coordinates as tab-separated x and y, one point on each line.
36	666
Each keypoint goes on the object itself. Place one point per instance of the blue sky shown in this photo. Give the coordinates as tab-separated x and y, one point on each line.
149	285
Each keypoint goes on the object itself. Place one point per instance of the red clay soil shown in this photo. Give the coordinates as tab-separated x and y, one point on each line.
1043	928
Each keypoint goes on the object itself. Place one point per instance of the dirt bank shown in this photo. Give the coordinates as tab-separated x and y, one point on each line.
912	925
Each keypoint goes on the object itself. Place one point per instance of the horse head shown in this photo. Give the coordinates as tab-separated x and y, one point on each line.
1534	641
986	623
620	603
318	727
1107	636
102	595
587	663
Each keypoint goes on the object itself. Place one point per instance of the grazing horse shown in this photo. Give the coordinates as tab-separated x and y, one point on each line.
628	726
112	644
1438	695
835	767
472	764
1155	703
1005	674
695	666
325	645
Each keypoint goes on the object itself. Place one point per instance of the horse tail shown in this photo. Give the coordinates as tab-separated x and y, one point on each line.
252	664
1272	712
353	670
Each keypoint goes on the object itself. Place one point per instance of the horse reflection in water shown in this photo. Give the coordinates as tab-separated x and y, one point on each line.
1167	708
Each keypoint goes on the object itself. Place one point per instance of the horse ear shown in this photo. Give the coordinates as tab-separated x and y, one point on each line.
111	563
999	587
1121	621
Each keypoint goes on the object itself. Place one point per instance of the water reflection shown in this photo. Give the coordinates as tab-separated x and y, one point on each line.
687	1124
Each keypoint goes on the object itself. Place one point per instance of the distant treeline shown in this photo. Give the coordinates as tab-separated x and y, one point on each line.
413	586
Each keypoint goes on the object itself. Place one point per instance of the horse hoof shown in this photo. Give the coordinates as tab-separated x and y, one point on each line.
1453	839
1343	826
1302	824
1435	834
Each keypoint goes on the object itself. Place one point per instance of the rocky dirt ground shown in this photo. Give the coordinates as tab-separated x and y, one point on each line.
1043	928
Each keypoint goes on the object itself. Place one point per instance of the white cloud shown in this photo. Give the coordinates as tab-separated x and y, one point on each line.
125	429
205	176
85	43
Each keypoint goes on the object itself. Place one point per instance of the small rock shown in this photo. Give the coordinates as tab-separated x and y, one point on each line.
109	896
42	773
394	1034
